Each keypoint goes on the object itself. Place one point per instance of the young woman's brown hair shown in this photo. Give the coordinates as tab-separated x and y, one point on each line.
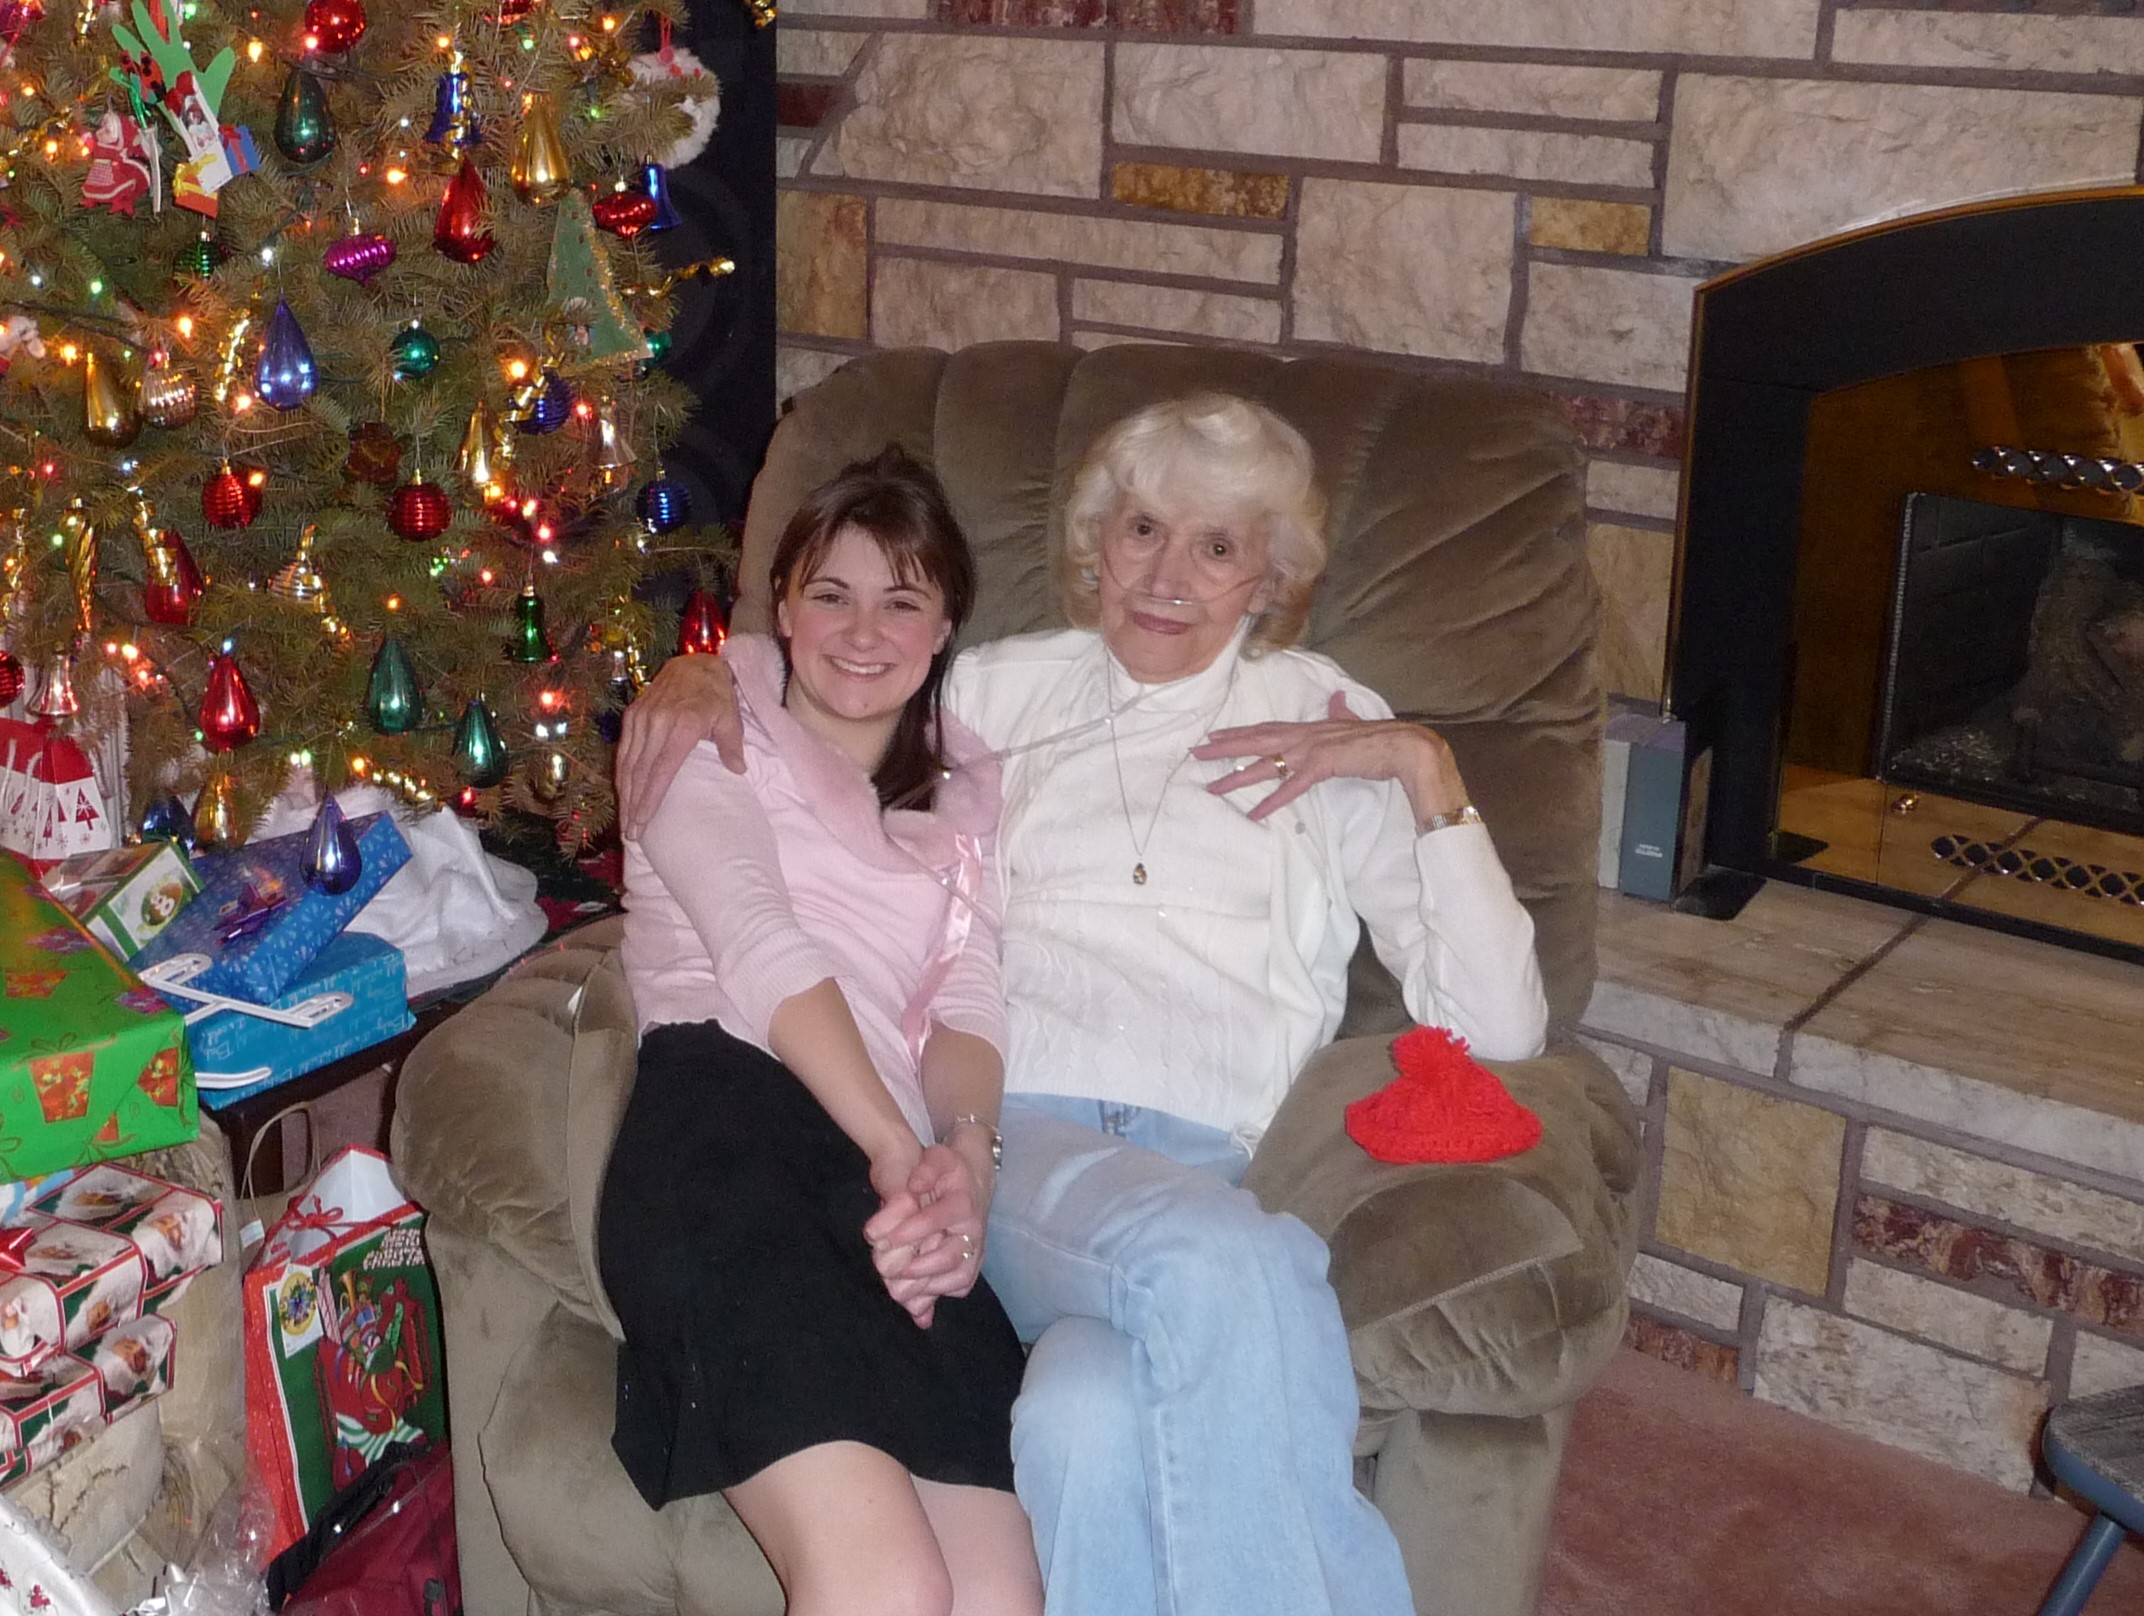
898	500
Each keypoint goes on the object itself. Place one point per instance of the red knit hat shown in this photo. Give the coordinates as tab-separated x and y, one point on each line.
1443	1107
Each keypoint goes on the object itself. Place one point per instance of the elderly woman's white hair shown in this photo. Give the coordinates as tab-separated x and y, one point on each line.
1224	454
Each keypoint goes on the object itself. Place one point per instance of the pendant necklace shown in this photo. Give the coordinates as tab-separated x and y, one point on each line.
1124	798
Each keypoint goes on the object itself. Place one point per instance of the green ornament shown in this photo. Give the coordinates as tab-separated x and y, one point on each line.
304	125
199	257
658	351
529	642
415	352
581	293
478	751
393	703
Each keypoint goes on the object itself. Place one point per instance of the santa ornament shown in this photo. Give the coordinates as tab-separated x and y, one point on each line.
122	167
703	99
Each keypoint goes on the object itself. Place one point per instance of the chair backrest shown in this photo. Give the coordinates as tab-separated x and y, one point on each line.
1458	585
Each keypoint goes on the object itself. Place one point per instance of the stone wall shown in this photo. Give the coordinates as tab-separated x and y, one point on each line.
1522	186
1895	1166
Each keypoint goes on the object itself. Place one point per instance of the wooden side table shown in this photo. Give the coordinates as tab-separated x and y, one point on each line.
244	1121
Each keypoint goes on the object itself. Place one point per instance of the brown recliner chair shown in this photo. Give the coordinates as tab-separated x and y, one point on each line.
1480	1300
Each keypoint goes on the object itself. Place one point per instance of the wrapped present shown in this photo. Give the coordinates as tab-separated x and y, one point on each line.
95	1253
134	1362
257	922
125	895
93	1064
15	1198
47	1411
236	1055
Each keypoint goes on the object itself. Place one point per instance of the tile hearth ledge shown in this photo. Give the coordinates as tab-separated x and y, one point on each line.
2033	1048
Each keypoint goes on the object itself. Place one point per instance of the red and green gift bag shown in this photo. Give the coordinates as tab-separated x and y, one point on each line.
93	1064
342	1338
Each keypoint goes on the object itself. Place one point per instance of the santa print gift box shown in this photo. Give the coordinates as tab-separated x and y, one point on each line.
125	895
95	1253
93	1064
257	921
45	1412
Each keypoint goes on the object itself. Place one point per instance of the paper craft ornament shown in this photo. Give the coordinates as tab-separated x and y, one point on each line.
582	294
122	166
156	67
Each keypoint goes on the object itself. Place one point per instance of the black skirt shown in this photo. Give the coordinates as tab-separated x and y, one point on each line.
730	1238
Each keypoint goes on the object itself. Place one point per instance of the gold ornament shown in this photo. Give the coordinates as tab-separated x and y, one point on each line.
482	458
168	398
299	580
81	547
614	456
228	355
111	412
216	813
540	171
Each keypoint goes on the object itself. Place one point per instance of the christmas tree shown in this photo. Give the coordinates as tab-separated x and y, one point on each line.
331	417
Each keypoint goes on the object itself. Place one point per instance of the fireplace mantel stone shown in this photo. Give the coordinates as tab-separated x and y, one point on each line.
1896	1164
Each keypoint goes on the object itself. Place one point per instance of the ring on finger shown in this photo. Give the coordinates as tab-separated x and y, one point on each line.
1281	766
967	1247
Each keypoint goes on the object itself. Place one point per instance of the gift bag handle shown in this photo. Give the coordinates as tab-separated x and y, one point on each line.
246	1189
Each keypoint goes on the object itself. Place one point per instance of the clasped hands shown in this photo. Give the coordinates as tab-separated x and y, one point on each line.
927	1235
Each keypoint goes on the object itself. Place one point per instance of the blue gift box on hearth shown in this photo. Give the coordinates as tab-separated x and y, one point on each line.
231	1044
258	922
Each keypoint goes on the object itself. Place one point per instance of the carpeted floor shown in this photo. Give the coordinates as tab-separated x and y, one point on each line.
1683	1496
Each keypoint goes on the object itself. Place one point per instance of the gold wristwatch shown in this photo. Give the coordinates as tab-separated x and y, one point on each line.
1465	814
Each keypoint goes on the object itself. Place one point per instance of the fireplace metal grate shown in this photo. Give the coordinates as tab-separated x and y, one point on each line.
2041	869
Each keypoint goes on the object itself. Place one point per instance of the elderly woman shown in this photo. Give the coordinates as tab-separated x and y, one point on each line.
1176	943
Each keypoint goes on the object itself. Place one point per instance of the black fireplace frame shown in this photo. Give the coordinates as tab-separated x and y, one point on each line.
1768	339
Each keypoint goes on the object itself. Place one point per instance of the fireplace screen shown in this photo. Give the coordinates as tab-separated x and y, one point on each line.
2015	670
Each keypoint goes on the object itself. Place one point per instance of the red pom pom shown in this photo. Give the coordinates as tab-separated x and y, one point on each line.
1443	1107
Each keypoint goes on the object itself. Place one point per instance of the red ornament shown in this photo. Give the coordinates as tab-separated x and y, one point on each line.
175	583
701	628
333	25
232	498
459	231
512	11
230	716
418	510
11	677
624	213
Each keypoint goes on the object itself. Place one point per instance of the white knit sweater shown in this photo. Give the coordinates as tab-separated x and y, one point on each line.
1202	992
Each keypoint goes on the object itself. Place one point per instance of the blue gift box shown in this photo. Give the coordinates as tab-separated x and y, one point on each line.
259	923
231	1042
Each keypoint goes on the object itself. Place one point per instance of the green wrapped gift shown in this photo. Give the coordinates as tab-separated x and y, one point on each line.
93	1064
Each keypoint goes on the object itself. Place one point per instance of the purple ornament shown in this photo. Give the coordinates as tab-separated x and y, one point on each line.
284	376
359	257
332	859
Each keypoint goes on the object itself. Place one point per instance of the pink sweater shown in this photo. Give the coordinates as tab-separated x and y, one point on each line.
747	890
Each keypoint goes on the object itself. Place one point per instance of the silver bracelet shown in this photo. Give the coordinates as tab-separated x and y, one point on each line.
1465	814
997	1140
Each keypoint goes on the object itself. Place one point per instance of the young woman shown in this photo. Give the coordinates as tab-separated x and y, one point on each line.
812	948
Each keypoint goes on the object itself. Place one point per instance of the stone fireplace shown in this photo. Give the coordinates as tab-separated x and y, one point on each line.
1909	618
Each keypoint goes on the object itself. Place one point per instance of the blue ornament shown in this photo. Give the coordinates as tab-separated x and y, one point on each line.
168	819
664	505
656	182
332	861
550	408
284	376
454	125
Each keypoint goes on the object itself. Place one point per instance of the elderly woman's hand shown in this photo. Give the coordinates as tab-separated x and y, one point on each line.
689	701
1339	746
927	1241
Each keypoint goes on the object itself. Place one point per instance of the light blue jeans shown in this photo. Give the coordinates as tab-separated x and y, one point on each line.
1183	1440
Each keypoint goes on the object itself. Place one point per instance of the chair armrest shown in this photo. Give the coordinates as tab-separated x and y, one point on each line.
481	1138
1492	1288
